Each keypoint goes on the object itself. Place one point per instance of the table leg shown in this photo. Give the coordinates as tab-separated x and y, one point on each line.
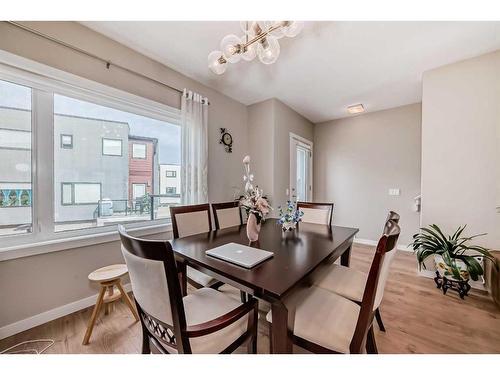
345	258
282	328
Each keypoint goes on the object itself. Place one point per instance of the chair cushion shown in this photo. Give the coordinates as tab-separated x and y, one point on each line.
206	304
230	291
316	215
228	217
199	277
323	318
345	281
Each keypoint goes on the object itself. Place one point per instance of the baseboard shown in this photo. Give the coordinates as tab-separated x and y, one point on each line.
363	241
47	316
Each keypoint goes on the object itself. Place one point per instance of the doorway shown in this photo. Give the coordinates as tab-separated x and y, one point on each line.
301	173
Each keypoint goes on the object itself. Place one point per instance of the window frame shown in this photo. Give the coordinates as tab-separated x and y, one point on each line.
171	187
174	174
145	151
111	139
45	81
73	195
67	147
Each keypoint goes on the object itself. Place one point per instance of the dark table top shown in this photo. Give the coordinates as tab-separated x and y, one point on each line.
294	257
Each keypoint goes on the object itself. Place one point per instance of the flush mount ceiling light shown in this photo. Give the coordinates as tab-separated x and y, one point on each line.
355	109
260	39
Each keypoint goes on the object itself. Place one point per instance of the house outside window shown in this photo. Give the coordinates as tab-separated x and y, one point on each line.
111	147
171	190
66	141
138	151
171	174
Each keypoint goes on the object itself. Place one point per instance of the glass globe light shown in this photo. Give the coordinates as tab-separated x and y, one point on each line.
229	47
293	29
248	27
268	50
214	63
250	52
278	33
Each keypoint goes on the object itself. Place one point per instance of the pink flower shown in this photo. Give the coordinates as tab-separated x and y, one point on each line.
262	206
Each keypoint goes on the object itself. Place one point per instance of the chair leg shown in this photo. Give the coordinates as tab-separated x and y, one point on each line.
371	345
379	320
95	314
252	325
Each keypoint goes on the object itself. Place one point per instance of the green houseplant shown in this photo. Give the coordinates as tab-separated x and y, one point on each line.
454	256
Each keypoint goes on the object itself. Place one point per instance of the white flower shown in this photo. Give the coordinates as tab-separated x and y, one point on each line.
246	159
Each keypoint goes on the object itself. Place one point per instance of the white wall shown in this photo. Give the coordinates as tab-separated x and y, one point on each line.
460	147
358	159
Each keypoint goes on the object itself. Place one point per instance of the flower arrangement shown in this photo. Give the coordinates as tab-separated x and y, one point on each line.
290	216
253	201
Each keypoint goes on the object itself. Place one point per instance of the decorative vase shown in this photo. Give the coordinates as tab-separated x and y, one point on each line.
253	228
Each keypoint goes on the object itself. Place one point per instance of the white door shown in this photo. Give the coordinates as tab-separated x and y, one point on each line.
301	156
138	191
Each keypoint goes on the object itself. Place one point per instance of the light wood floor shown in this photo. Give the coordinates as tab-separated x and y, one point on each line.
418	319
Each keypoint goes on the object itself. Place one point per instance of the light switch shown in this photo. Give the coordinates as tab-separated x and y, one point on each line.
394	191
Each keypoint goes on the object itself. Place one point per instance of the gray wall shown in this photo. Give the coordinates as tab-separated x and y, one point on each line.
358	159
460	147
85	163
51	280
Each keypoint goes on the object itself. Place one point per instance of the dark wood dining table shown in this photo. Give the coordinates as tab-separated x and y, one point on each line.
296	256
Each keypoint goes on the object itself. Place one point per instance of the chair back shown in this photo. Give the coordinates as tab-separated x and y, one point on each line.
227	214
157	291
316	213
190	220
375	284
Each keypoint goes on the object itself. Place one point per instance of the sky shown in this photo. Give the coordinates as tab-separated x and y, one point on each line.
168	135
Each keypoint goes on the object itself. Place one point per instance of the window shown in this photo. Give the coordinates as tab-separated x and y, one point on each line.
81	128
112	147
138	151
139	191
95	190
171	174
15	159
171	190
66	141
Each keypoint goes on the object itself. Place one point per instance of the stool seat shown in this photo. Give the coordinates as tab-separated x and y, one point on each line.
108	273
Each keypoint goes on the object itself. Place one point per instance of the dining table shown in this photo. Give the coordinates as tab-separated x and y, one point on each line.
296	255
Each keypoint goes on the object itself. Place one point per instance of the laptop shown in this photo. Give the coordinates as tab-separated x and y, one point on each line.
241	255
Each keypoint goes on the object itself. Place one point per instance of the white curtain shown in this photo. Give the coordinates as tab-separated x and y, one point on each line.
194	150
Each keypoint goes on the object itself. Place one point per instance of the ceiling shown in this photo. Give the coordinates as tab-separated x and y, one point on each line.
327	67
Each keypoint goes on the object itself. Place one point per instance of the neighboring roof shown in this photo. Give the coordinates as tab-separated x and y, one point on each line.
145	139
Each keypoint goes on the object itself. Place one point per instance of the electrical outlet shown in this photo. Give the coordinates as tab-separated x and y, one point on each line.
394	191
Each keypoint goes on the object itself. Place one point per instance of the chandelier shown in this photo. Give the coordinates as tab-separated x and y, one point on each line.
260	39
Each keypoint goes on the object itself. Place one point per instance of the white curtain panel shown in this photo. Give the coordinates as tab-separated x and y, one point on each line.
194	151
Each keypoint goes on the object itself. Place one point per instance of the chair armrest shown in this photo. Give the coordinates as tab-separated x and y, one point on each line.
222	321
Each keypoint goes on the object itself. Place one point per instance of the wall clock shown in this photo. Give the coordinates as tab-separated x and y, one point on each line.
226	139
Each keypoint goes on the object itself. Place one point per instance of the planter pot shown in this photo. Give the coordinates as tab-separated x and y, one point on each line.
253	229
445	271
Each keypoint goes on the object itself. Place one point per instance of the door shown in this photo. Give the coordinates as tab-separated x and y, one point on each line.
301	156
138	191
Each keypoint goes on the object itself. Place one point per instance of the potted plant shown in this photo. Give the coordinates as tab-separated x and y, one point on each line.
456	259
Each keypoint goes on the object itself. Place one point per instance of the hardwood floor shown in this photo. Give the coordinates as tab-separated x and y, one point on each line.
417	317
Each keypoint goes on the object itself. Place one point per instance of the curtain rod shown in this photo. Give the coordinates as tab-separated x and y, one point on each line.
108	63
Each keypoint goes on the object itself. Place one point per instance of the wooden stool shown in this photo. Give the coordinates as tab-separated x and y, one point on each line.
109	277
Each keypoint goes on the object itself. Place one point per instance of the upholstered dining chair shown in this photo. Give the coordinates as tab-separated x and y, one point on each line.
227	214
316	213
350	283
325	322
187	221
205	321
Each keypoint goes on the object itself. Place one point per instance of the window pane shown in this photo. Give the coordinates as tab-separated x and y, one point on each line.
15	159
87	193
112	147
67	193
66	141
138	151
107	190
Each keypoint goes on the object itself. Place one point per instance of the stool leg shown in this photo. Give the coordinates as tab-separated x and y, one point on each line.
94	316
127	300
108	306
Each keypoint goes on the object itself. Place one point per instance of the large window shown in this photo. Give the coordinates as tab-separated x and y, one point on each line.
15	159
94	189
75	175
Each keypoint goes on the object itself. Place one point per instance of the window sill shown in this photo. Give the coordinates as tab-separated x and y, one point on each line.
60	244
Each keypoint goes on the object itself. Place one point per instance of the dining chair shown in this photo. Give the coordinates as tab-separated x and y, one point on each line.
316	213
227	214
187	221
325	322
205	321
350	283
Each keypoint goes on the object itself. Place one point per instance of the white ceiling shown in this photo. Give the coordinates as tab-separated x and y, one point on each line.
329	66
